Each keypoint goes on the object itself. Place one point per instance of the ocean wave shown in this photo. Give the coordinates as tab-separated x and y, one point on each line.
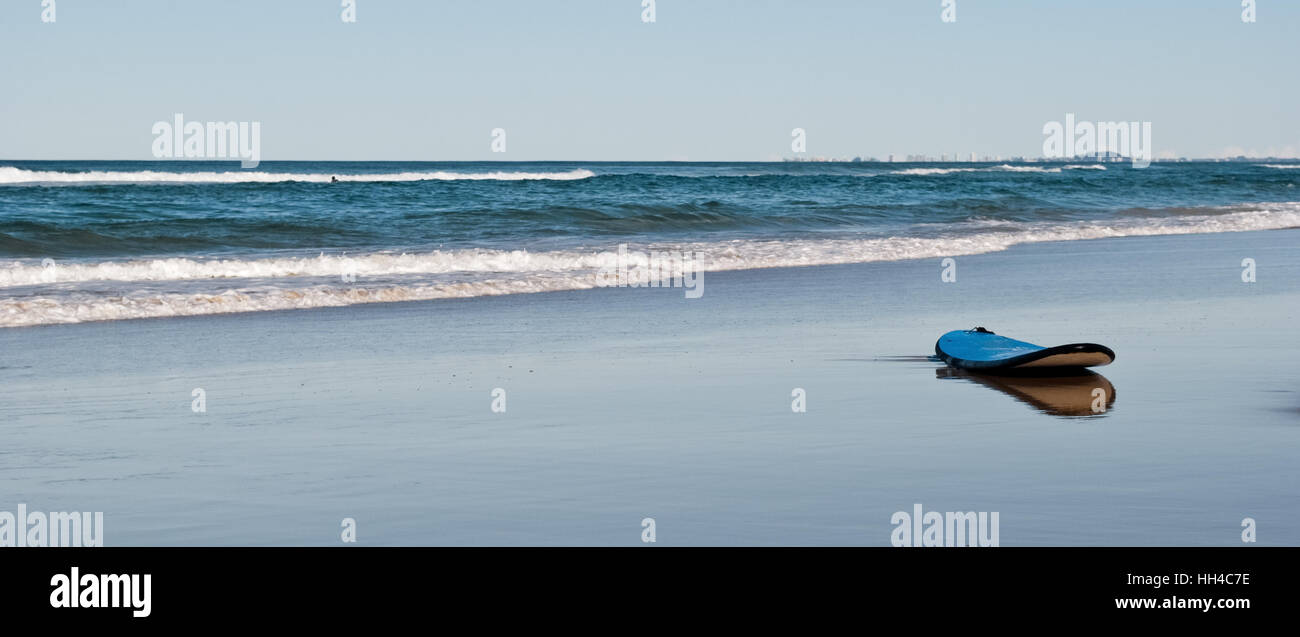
67	293
13	175
1001	168
934	171
1027	169
1280	166
84	308
366	265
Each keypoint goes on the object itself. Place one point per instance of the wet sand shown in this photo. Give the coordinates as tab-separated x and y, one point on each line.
623	404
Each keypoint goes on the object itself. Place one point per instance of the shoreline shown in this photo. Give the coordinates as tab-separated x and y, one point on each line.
632	403
391	294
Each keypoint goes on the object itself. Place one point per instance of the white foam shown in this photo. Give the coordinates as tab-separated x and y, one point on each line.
367	265
1280	166
1001	168
935	171
13	175
1027	169
82	308
284	283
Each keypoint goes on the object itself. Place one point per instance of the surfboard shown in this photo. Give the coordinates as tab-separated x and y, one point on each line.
981	350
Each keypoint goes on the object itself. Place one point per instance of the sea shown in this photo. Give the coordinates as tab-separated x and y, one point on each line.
110	240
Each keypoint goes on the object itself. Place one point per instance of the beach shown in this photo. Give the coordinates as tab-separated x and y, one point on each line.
622	404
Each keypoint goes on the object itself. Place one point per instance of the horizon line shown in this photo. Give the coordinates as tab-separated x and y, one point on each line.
795	160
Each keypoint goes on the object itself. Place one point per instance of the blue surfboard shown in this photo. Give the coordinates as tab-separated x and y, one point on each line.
981	350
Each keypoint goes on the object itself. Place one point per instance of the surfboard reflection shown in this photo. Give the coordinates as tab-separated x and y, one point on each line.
1069	394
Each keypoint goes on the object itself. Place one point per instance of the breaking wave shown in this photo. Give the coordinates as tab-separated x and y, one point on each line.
12	175
95	291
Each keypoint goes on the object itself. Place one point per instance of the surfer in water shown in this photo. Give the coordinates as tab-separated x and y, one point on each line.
334	180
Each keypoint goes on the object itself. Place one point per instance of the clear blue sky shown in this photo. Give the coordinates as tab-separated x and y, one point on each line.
588	80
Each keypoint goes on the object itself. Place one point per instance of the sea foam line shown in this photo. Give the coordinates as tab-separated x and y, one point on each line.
517	272
1001	168
722	255
50	310
13	175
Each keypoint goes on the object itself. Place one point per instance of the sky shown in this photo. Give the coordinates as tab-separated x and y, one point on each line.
708	80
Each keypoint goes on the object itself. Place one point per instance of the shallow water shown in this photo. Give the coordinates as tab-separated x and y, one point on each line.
624	404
